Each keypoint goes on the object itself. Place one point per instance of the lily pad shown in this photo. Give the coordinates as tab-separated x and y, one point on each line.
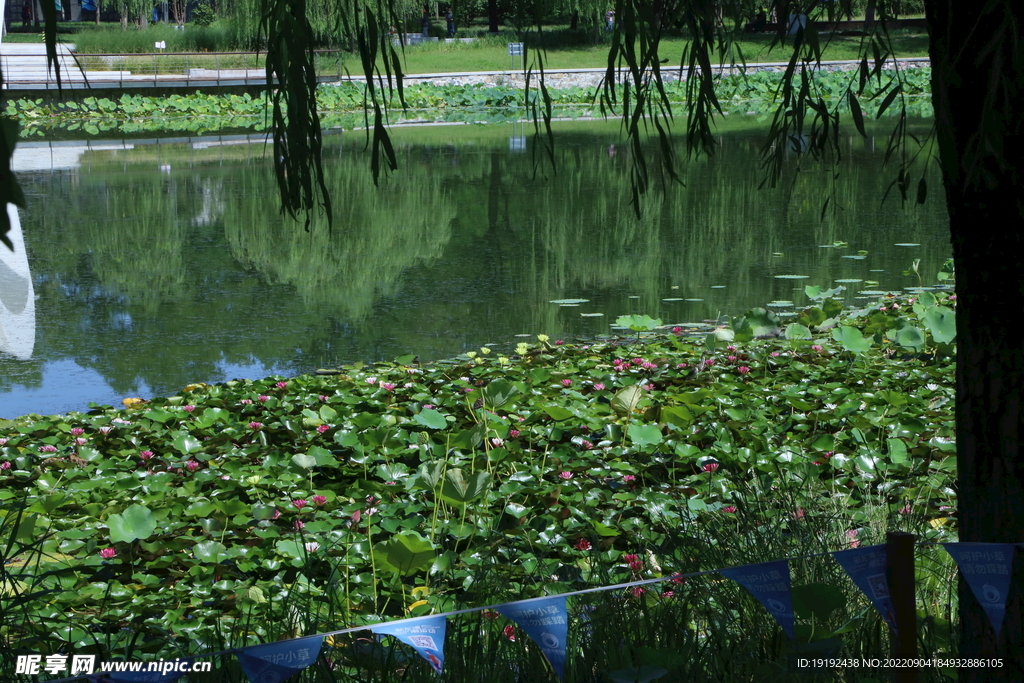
907	244
563	302
592	315
674	298
791	277
855	258
694	299
850	280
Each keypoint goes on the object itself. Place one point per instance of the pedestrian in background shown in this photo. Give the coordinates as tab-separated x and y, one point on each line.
425	23
450	18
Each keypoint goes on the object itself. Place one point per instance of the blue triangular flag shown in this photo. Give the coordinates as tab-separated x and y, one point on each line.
546	621
986	568
425	635
276	662
866	566
768	582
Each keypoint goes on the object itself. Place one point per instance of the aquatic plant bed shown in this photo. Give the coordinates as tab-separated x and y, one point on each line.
247	511
343	105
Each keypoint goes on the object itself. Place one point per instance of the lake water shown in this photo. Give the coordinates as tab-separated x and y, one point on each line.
157	263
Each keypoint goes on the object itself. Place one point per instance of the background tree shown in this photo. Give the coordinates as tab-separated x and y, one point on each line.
978	95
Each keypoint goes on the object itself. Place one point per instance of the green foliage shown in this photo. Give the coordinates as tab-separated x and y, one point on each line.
406	509
343	106
203	15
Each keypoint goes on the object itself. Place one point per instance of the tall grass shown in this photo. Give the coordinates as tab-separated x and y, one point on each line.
217	37
706	629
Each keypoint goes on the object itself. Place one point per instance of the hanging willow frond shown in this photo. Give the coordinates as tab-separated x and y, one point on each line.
292	79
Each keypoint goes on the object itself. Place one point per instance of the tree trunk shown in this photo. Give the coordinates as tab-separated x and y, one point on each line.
492	16
98	10
978	96
575	21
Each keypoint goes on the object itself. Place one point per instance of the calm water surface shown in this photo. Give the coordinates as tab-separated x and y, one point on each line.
152	264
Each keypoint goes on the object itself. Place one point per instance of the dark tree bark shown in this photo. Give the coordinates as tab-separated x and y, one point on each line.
492	16
978	94
574	22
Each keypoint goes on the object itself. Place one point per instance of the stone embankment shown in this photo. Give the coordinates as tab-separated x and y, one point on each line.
591	78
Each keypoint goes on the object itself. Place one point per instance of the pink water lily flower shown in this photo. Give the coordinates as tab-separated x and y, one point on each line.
108	553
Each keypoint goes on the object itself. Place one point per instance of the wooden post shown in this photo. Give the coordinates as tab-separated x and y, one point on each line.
899	572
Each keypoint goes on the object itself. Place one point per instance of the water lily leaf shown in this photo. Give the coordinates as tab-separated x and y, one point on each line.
210	416
624	401
210	551
496	394
569	301
430	474
324	458
304	461
459	490
941	322
328	414
910	337
817	599
558	413
851	339
186	443
797	331
516	510
897	450
134	524
644	435
831	307
679	416
469	438
431	418
158	415
762	321
638	323
405	553
200	508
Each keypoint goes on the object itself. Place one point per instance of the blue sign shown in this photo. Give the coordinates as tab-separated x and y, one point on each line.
275	662
768	582
546	621
425	635
866	567
88	6
986	568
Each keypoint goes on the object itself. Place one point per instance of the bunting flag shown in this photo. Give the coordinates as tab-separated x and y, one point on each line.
866	566
986	568
769	582
546	621
425	635
275	662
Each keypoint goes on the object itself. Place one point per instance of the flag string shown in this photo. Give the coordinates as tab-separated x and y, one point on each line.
596	589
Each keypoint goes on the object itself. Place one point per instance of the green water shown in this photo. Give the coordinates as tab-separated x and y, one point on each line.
169	263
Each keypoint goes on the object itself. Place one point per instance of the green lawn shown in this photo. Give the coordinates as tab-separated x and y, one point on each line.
491	54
